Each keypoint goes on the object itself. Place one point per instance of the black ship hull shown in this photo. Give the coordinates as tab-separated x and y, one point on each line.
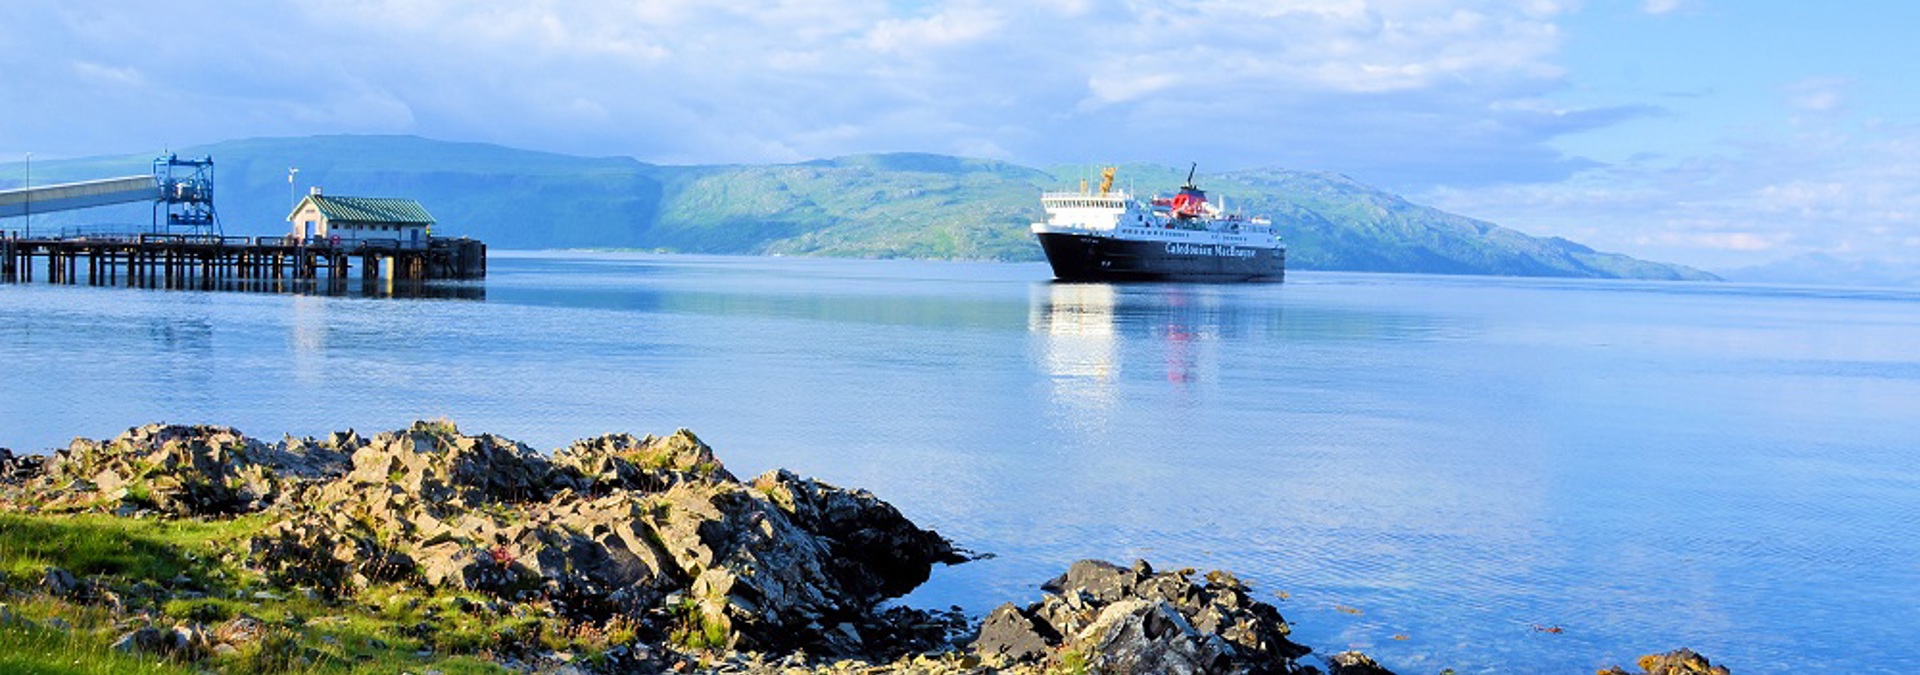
1079	257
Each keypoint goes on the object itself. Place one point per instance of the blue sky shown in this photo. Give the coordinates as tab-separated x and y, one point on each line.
1709	132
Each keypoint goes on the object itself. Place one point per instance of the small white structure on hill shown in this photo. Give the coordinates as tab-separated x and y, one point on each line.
349	219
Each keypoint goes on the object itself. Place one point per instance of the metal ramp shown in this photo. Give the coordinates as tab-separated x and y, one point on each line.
82	195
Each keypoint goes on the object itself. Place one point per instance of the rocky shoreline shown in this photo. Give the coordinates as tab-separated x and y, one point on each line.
615	554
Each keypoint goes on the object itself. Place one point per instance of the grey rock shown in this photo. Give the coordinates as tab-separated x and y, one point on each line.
146	640
109	600
239	630
1136	620
10	619
183	470
612	525
60	583
1011	636
188	641
15	469
876	551
1103	581
1678	662
1139	636
1354	663
621	462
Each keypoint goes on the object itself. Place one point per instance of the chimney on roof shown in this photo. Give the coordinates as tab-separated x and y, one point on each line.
315	190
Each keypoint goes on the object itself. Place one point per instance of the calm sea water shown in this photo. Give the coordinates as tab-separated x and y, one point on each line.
1430	469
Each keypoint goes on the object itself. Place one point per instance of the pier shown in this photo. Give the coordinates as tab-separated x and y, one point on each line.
386	238
205	261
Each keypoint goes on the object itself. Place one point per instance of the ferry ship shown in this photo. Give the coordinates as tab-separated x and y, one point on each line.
1111	236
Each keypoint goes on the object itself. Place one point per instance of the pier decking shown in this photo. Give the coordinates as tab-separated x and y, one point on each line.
201	261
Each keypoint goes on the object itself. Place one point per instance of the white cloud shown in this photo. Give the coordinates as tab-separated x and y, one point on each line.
1350	47
105	75
1818	95
1743	242
1067	8
1817	191
1403	93
1392	90
1657	7
1118	88
956	26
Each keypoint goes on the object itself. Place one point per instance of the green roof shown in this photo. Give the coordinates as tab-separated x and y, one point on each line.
370	210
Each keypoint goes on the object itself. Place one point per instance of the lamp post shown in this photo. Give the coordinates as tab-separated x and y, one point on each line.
293	196
29	206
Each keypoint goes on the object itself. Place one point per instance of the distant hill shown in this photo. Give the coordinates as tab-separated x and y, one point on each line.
882	206
885	206
1332	222
510	198
1827	270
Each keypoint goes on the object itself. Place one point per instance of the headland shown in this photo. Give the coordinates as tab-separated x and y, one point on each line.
180	549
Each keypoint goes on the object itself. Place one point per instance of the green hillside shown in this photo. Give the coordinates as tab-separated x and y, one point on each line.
879	206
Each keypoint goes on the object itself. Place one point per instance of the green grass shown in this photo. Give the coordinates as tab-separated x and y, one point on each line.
42	651
96	544
380	630
698	629
1072	662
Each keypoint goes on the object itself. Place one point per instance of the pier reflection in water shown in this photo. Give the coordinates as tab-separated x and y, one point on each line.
344	288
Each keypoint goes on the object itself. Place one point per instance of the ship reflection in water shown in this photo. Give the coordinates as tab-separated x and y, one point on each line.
1079	350
1092	333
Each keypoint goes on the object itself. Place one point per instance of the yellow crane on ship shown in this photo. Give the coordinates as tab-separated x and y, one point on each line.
1106	181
